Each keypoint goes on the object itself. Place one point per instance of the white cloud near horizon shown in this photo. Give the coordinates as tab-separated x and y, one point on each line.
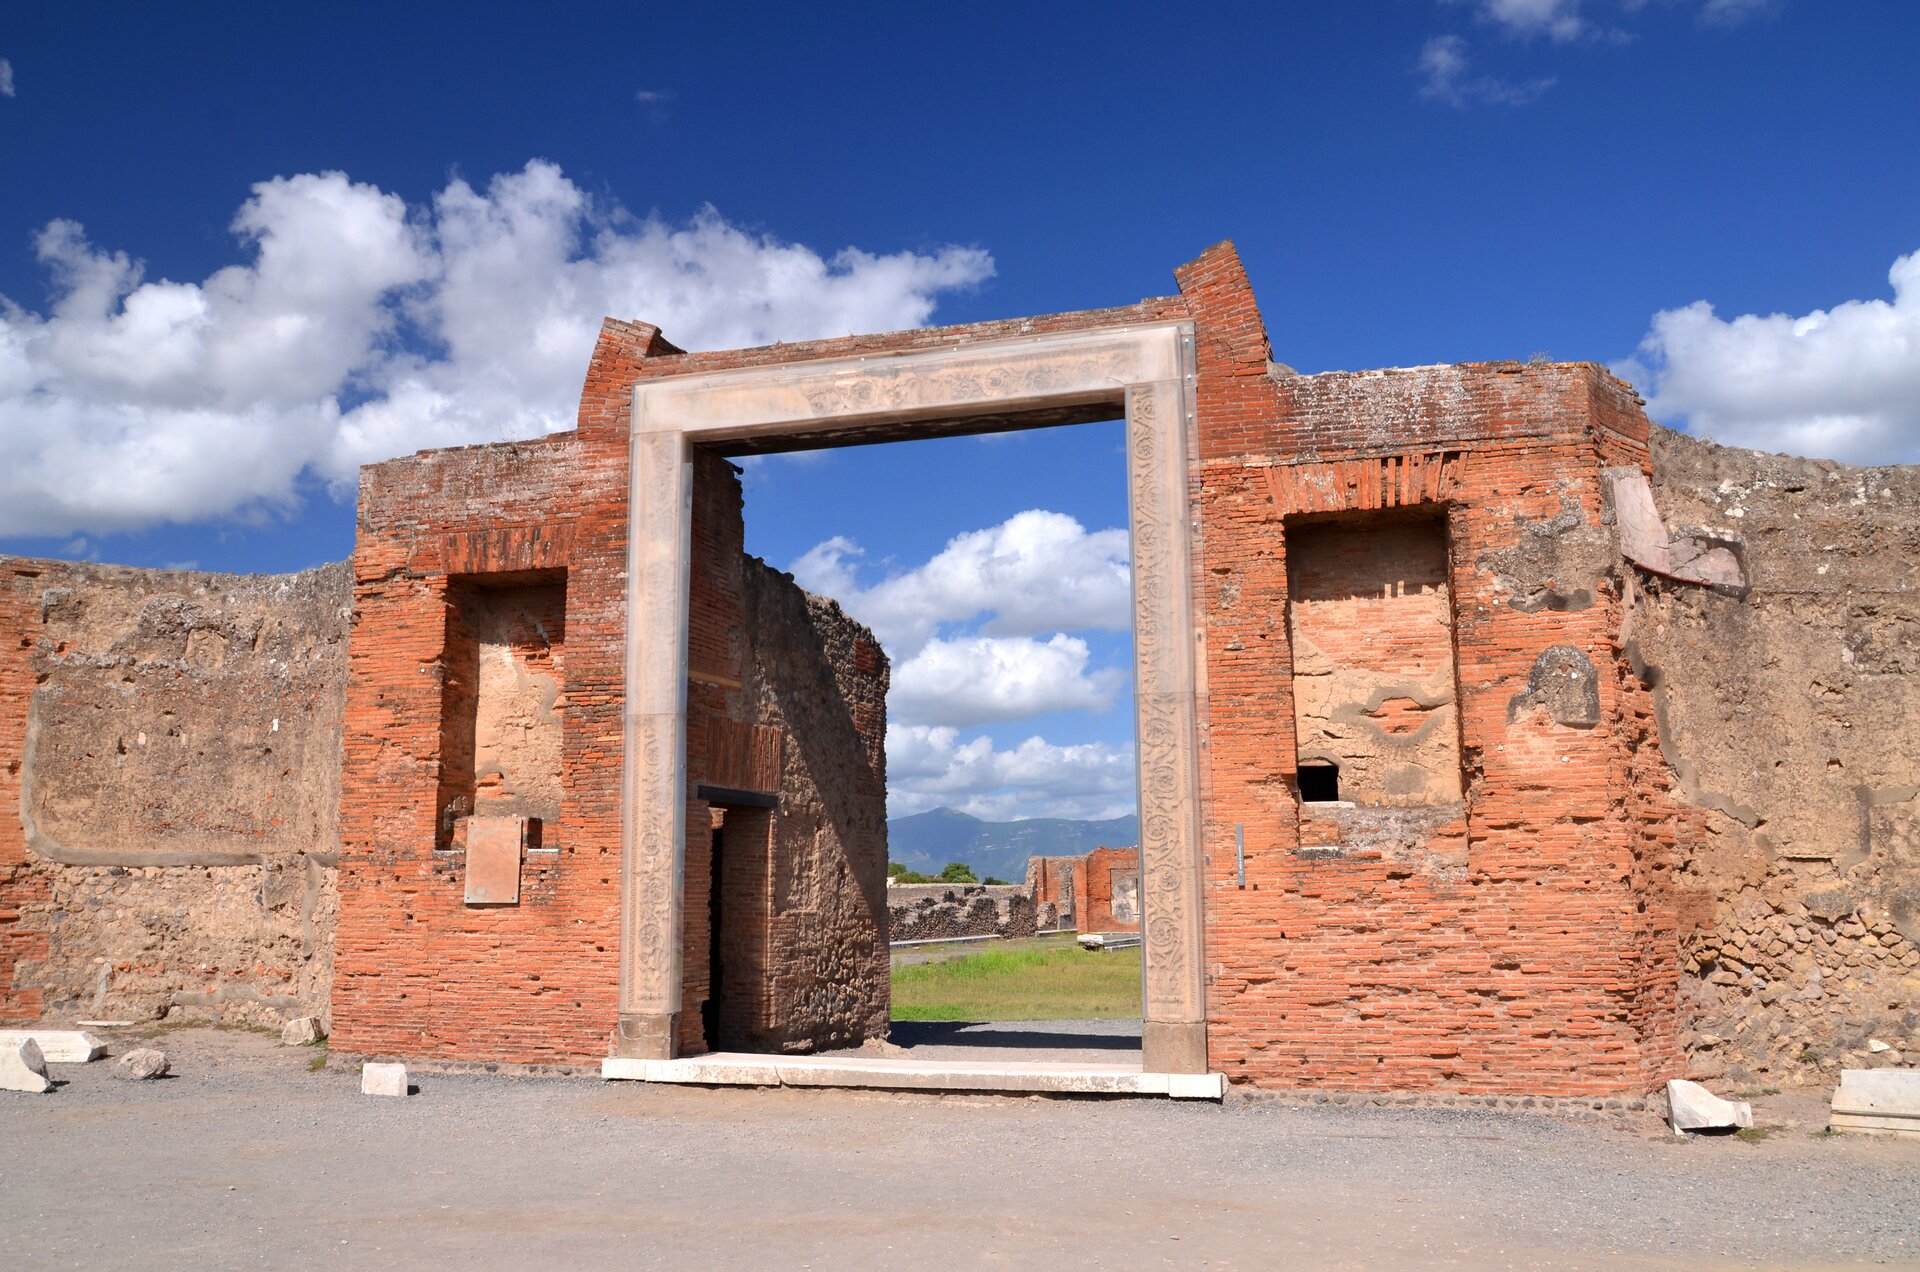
930	767
977	679
1035	573
1840	383
361	328
983	632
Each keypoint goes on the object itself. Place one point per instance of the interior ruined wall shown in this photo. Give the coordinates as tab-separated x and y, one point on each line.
1788	717
170	771
821	679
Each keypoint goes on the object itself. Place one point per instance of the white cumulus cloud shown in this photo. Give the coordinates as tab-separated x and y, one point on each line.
974	679
6	78
930	767
359	328
1034	573
1840	383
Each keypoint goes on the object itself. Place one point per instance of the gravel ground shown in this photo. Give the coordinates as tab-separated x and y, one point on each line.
248	1160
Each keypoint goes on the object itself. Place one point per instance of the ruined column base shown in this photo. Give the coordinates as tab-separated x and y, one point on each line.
1173	1046
644	1035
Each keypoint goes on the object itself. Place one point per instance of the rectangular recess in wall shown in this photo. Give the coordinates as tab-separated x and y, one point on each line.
502	699
1370	616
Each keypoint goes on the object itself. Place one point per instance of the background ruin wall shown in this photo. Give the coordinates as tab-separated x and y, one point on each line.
170	775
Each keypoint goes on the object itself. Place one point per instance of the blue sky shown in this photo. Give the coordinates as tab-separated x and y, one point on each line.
243	251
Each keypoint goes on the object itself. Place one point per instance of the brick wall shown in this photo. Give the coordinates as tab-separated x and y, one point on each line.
1513	924
1519	939
519	549
418	972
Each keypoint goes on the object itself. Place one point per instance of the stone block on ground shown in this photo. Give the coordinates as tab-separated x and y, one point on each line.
141	1064
1691	1107
302	1031
383	1079
1878	1102
59	1046
22	1068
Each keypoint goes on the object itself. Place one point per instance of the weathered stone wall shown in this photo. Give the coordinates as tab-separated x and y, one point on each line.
943	911
170	771
488	660
1789	716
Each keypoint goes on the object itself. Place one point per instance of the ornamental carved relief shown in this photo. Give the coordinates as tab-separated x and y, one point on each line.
1165	705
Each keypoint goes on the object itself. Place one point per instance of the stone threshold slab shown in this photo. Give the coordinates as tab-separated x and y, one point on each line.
725	1068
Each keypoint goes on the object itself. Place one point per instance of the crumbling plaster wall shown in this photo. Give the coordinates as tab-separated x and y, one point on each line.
1788	717
170	743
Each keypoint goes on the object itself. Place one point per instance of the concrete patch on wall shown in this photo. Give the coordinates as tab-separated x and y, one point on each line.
1564	684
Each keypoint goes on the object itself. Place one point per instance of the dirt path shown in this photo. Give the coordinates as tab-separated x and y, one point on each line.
247	1160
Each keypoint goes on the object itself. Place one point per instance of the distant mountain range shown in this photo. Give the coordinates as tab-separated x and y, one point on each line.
928	841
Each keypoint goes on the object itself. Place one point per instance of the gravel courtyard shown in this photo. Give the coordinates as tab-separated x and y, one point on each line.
246	1159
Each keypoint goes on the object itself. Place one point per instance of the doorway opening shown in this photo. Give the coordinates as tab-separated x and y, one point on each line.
993	572
954	384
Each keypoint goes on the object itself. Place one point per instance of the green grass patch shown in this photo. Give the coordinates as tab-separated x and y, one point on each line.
1056	983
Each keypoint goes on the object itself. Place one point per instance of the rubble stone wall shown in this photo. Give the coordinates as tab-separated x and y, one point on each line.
1788	714
170	771
942	911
